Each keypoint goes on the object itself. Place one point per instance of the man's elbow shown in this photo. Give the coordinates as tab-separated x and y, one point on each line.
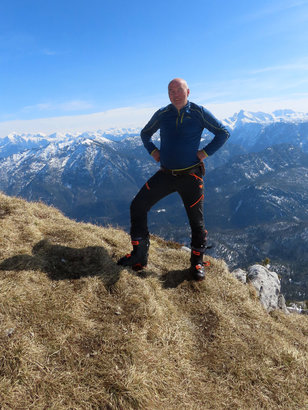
226	132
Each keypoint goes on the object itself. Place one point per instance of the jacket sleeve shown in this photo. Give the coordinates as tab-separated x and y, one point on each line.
147	132
221	134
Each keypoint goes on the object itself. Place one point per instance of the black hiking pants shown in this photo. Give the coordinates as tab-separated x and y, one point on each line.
190	188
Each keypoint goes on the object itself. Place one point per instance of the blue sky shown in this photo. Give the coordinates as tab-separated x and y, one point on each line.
96	64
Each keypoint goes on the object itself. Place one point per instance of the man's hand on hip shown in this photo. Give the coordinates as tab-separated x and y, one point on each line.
201	155
156	155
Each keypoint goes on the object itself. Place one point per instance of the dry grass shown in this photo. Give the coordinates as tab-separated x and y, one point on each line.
79	332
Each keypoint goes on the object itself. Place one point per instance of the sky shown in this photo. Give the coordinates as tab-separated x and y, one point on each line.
77	65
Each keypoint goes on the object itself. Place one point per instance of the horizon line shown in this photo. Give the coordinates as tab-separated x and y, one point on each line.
137	117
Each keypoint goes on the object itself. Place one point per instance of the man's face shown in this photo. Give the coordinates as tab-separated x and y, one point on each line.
178	93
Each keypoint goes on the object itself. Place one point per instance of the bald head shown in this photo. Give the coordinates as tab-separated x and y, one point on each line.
178	81
178	92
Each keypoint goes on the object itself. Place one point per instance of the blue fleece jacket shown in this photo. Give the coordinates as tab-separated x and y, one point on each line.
180	134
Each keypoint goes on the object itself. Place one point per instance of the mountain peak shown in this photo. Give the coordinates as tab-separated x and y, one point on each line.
244	117
259	117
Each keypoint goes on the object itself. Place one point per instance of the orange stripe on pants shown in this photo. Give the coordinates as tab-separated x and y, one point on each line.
201	197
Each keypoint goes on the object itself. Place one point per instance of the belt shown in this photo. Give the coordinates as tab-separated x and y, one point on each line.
176	173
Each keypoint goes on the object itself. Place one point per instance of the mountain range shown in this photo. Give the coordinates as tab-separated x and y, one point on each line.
256	187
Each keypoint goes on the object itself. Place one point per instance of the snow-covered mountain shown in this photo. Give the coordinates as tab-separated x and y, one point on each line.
256	131
247	117
252	130
14	143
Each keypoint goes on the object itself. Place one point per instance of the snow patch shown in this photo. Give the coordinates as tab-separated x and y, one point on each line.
238	205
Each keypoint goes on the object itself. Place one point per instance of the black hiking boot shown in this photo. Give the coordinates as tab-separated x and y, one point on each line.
138	258
197	265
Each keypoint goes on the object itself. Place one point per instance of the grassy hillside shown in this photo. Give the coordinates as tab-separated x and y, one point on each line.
79	332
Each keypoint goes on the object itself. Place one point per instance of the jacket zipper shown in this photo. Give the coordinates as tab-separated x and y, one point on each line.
177	118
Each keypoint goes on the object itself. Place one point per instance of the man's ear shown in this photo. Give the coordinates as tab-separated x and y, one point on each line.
188	92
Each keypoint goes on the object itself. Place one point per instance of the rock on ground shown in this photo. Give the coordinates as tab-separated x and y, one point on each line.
267	285
240	275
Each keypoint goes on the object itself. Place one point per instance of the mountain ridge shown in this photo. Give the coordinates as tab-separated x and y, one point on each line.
118	134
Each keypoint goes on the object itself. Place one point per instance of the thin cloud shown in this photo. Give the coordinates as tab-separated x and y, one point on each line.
137	117
284	67
16	41
66	106
279	81
126	117
274	9
278	19
48	52
75	105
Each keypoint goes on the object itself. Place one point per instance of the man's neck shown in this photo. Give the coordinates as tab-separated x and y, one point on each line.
180	107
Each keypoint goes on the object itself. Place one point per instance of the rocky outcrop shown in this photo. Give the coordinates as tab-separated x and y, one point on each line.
267	285
240	275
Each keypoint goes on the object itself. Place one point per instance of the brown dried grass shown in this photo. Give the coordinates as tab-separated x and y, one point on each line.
79	332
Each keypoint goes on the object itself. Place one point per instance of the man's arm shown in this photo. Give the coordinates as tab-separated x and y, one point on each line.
146	135
221	134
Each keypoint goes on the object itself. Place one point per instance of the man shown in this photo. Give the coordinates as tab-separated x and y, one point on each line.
181	124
